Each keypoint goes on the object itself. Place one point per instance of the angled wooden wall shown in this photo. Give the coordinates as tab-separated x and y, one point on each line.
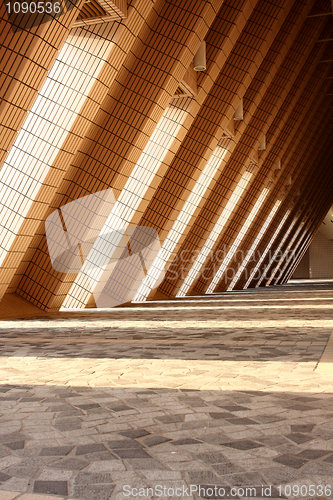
238	190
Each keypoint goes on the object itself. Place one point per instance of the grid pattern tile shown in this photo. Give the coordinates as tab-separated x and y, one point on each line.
228	196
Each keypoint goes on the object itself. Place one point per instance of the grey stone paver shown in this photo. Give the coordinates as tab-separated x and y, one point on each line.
221	390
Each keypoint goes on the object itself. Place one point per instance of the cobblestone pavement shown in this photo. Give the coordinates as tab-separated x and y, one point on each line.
219	391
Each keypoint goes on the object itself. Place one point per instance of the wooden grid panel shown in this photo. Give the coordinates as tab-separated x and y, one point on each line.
300	151
282	142
246	59
124	38
42	245
292	265
245	248
308	219
279	225
293	249
239	157
47	125
317	128
127	117
103	11
131	197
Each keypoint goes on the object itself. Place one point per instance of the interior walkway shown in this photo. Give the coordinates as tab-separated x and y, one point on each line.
231	390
